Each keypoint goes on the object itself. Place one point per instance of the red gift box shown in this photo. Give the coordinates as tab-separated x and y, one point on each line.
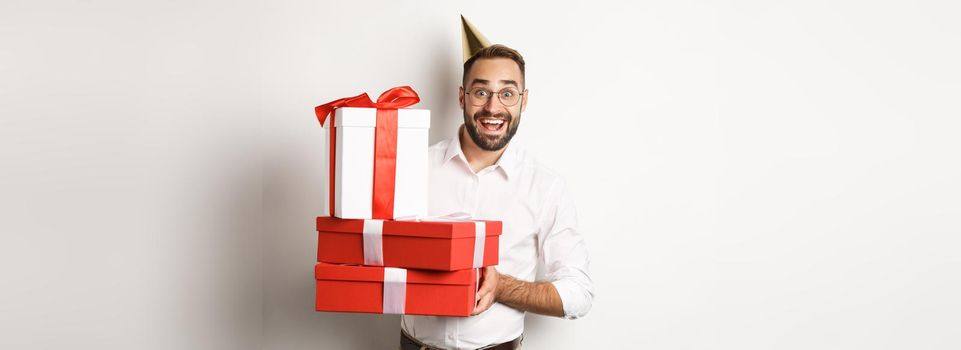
431	245
371	289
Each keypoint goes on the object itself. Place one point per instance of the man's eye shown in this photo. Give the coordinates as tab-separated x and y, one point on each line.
481	93
507	94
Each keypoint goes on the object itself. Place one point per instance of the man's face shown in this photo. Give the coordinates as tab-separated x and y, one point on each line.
491	124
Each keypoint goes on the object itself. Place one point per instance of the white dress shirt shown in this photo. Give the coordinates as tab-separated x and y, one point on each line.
540	240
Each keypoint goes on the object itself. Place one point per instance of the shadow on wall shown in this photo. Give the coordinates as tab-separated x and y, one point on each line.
368	331
358	331
445	77
291	246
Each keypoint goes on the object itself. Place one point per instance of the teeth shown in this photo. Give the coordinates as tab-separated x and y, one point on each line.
493	121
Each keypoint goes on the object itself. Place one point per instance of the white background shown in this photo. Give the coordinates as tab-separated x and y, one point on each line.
748	175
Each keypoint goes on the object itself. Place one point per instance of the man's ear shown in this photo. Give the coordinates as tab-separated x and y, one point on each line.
524	97
460	97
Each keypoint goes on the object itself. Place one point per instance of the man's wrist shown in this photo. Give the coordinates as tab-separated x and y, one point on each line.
504	284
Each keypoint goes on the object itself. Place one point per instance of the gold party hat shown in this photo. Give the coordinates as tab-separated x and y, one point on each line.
473	39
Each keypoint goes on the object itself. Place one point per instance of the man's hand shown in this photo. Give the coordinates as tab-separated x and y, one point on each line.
487	294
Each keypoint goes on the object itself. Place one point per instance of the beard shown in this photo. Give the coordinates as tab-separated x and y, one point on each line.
488	142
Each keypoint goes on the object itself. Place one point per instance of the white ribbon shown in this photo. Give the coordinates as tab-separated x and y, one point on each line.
480	237
395	290
374	242
477	277
458	216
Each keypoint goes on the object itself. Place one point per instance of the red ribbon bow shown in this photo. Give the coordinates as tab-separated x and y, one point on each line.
385	142
398	97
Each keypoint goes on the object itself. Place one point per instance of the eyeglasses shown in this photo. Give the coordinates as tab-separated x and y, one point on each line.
508	96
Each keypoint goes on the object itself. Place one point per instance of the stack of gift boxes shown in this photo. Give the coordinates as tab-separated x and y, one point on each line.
377	251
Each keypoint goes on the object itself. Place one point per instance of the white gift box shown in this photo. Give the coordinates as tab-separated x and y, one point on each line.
354	163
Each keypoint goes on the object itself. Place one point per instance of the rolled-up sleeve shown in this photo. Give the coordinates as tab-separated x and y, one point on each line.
563	253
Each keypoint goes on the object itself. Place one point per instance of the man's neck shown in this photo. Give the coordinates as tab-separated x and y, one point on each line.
477	158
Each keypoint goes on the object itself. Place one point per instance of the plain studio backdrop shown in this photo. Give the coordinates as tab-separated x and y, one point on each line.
748	174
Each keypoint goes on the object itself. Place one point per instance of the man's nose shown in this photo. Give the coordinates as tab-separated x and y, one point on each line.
494	105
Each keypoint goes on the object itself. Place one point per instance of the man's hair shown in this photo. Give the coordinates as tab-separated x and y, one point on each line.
495	51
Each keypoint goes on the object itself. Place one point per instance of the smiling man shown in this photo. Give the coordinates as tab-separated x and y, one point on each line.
543	258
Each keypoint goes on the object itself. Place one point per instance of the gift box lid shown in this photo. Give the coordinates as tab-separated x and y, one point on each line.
367	117
427	229
335	272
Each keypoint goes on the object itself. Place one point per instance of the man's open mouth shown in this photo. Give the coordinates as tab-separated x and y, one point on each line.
492	124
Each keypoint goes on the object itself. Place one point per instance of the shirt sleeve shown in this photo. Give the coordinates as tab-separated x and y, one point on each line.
563	253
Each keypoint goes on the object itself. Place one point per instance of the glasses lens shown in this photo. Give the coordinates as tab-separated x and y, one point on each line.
480	97
509	97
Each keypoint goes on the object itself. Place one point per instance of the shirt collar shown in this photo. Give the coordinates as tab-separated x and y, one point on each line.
507	162
453	149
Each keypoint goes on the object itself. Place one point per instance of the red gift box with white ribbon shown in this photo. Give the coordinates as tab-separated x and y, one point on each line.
387	290
445	245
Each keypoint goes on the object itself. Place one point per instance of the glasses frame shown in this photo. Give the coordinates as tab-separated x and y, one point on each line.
470	94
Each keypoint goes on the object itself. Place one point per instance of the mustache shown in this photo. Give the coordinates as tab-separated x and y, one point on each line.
502	115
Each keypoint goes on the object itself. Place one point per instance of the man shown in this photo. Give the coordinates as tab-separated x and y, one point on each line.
481	173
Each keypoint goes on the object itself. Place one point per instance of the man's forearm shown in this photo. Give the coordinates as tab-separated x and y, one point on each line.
536	297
